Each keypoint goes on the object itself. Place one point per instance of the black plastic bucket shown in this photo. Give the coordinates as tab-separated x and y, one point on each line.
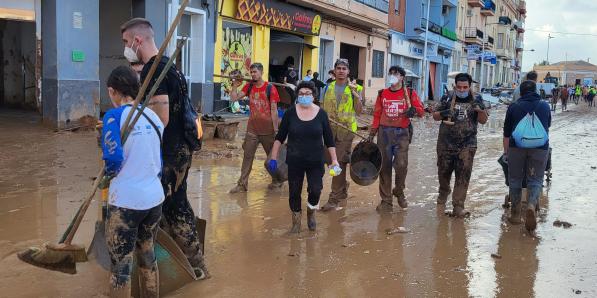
281	173
365	163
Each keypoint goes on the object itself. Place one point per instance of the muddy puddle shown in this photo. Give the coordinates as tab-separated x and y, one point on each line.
44	175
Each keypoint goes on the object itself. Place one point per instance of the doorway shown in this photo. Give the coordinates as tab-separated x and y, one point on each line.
326	58
351	53
17	70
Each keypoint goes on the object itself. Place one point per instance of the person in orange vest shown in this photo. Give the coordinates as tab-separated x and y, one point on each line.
391	119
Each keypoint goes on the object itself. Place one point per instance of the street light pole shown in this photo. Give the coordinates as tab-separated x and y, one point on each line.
424	68
549	37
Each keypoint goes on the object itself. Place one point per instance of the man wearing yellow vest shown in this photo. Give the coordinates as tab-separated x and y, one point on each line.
342	100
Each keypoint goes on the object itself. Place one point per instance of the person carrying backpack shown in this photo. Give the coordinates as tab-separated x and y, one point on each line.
394	108
526	147
263	122
172	104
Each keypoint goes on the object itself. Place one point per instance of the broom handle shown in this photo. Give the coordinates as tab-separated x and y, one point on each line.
247	80
69	234
344	127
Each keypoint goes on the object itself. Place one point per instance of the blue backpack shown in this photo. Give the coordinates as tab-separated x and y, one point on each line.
529	132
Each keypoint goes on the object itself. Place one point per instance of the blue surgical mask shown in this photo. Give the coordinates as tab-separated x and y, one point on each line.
461	94
304	100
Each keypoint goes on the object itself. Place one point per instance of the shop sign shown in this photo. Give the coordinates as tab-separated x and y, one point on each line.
237	48
415	50
279	15
449	34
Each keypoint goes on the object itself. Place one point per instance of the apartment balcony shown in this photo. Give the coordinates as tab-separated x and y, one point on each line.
522	7
476	3
488	9
503	53
519	45
473	35
363	13
490	43
519	26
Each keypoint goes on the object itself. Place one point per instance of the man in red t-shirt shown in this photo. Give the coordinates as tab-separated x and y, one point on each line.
391	118
263	121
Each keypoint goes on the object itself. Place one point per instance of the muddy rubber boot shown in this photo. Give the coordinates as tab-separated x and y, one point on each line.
201	272
311	223
296	223
514	217
237	189
460	212
402	202
530	218
384	206
330	205
275	185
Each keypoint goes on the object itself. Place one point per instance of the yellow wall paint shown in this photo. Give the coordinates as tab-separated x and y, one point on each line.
311	56
261	36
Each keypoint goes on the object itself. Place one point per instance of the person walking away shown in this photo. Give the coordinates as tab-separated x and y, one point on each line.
391	119
308	77
308	130
527	157
585	93
319	85
331	77
263	122
577	92
170	102
591	96
342	100
457	143
564	96
531	75
554	98
135	197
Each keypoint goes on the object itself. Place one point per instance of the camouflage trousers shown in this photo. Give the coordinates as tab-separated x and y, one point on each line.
459	162
178	214
127	231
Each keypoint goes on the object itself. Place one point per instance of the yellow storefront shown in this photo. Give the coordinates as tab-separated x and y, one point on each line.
268	32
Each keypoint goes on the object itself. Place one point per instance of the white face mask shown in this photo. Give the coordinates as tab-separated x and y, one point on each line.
130	54
392	80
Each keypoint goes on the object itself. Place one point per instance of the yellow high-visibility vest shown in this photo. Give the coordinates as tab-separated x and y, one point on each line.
343	112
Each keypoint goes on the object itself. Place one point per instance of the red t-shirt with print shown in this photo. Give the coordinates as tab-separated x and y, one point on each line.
391	106
260	121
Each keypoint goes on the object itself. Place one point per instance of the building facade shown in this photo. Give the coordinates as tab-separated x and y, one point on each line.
569	72
310	34
440	36
402	51
490	34
65	49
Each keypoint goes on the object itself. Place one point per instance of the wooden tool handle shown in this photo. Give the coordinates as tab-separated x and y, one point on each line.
248	80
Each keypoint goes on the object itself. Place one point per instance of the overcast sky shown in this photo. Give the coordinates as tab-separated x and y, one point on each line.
575	16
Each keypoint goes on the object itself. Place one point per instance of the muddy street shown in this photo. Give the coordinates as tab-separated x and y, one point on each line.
44	176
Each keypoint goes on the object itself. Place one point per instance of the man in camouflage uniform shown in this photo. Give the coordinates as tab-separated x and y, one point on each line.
459	113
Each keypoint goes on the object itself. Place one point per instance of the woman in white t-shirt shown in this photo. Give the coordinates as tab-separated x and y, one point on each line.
136	193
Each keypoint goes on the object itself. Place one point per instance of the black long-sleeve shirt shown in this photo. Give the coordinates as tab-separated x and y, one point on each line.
306	139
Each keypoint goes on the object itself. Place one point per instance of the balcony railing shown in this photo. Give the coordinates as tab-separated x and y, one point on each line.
472	32
381	5
522	7
476	3
488	9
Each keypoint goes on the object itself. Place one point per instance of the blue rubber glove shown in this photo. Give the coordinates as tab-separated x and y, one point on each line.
272	165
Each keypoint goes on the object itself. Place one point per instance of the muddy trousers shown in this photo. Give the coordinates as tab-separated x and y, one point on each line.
459	162
339	184
393	142
128	231
296	176
177	210
250	145
529	164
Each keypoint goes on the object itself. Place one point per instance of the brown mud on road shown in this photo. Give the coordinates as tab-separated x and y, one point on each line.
44	175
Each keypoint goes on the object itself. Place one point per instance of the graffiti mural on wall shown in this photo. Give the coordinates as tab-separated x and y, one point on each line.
279	15
237	48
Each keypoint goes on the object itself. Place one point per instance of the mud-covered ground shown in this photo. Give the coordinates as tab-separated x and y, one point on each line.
44	175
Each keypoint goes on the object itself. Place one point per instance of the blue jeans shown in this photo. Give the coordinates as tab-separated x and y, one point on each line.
529	164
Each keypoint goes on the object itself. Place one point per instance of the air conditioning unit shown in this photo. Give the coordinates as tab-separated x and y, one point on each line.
469	12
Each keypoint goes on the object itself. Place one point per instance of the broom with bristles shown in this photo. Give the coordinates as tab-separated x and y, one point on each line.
64	255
